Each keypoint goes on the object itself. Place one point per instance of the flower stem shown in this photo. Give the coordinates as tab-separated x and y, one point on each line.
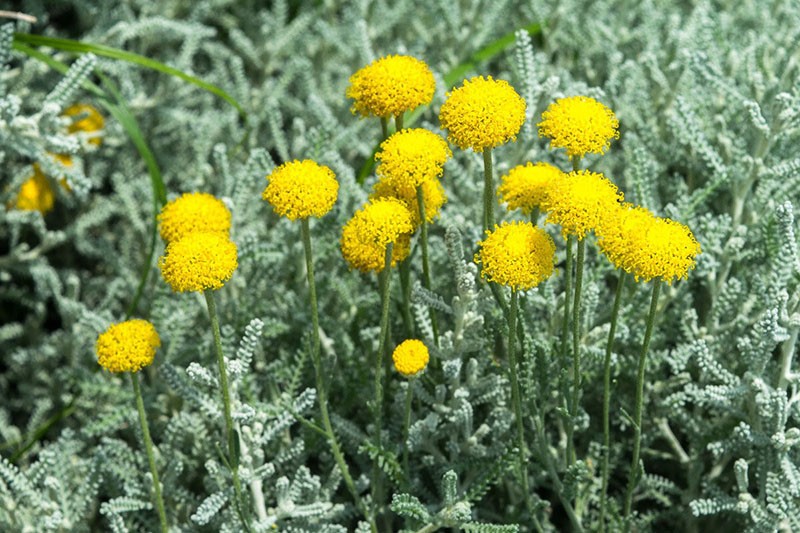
565	333
576	345
322	393
426	270
607	397
398	122
535	216
488	190
148	446
405	288
633	476
406	425
230	431
384	128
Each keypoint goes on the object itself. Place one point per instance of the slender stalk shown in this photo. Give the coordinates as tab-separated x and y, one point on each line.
576	344
322	393
148	446
607	397
384	128
488	190
426	269
230	431
398	122
565	334
405	289
633	476
535	216
406	425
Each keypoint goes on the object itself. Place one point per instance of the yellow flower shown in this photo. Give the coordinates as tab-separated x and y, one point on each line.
128	346
410	357
432	193
482	113
579	200
518	255
580	124
90	121
410	157
526	186
618	234
198	261
35	193
391	85
366	235
301	189
667	250
193	212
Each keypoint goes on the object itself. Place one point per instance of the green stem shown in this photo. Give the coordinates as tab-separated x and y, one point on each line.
488	190
426	269
535	216
607	397
148	446
405	288
322	393
576	345
406	425
230	431
398	122
565	333
633	476
384	128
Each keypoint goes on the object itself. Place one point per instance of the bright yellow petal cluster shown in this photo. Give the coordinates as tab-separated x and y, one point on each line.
35	193
410	357
518	255
198	261
667	250
619	233
191	213
432	194
580	124
579	200
482	113
301	189
128	346
90	121
390	86
526	186
410	157
366	235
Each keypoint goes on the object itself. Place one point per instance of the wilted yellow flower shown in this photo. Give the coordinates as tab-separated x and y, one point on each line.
579	200
390	86
193	212
128	346
432	193
301	189
580	124
198	261
410	357
410	157
667	250
90	121
526	186
482	113
518	255
366	235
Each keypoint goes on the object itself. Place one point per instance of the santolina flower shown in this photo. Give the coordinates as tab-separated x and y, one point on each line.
410	357
390	86
410	157
301	189
518	255
432	194
193	212
579	200
482	113
198	261
35	193
526	186
666	250
619	232
89	120
366	235
580	124
128	346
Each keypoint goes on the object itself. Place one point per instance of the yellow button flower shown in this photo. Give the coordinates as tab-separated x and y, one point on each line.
482	113
193	212
410	157
618	234
518	255
580	124
89	120
301	189
579	200
198	261
366	235
35	193
526	186
410	357
390	86
432	193
667	250
128	346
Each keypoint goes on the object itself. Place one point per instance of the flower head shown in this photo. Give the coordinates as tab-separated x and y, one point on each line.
432	193
410	357
375	226
619	232
128	346
518	255
193	212
198	261
666	250
579	200
482	113
526	186
390	86
36	193
301	189
89	120
580	124
410	157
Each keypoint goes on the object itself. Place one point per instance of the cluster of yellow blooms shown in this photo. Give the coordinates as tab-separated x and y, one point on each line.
410	357
390	86
518	255
128	346
301	189
379	223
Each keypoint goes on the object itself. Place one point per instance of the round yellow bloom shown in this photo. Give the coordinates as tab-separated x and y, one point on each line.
301	189
128	346
410	357
36	193
526	186
432	193
482	113
667	250
390	86
410	157
618	234
193	212
580	124
198	261
579	200
366	235
90	121
518	255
